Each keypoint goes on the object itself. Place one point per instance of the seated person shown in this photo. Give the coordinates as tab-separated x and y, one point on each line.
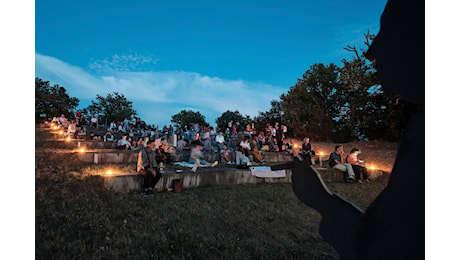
220	140
261	139
226	156
147	167
132	142
181	144
113	126
164	152
255	151
360	171
197	156
109	136
140	143
123	144
306	151
241	160
146	139
336	162
246	146
121	128
271	145
71	129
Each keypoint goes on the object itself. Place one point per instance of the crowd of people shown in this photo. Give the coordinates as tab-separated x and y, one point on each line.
236	145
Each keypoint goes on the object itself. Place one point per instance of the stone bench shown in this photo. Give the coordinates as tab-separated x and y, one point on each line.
131	182
131	156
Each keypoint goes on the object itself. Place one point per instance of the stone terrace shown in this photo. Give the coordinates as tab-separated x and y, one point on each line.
100	152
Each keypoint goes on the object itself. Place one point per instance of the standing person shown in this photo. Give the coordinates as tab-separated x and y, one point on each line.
336	162
206	138
360	171
100	124
93	123
147	166
78	115
279	138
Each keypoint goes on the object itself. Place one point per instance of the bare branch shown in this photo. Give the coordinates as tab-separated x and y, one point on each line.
353	49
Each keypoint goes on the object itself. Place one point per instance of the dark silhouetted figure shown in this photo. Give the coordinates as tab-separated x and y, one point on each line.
393	226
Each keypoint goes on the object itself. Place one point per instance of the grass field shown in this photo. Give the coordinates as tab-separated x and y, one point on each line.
77	219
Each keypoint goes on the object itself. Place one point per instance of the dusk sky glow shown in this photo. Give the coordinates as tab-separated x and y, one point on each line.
207	56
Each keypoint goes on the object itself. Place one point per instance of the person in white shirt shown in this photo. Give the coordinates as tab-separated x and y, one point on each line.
220	140
94	121
71	130
121	128
61	119
113	126
246	146
240	158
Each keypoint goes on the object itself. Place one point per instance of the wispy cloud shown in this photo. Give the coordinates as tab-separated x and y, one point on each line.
123	62
158	95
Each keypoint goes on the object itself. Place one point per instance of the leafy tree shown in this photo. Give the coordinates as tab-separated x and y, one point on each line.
235	116
272	116
314	105
341	104
53	100
114	107
186	117
371	114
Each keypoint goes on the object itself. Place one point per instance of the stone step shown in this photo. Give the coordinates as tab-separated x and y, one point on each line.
131	182
119	157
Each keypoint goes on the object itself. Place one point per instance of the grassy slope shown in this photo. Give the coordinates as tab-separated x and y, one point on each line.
77	219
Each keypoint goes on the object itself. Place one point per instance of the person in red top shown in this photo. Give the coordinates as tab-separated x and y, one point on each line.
360	171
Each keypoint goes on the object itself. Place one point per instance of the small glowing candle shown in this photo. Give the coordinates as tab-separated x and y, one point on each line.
82	150
109	172
372	167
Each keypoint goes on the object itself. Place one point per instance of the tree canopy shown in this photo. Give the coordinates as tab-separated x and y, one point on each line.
235	117
53	100
114	107
274	115
313	105
187	117
340	104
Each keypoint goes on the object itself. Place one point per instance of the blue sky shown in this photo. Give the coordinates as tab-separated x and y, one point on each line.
208	56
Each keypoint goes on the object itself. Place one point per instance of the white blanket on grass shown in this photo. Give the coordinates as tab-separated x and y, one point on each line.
190	165
266	172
